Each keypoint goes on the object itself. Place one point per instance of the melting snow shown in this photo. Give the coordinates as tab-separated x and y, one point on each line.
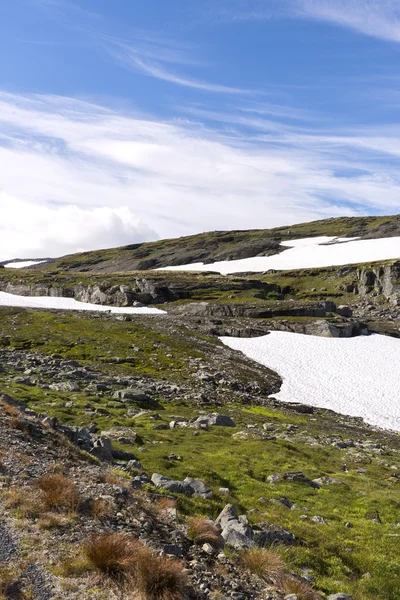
357	376
23	264
307	253
71	304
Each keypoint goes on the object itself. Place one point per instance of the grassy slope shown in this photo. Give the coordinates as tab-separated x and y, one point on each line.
337	556
219	245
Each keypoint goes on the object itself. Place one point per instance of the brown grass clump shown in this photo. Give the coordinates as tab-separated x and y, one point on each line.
100	508
265	563
51	521
112	478
158	577
165	503
113	554
11	410
130	562
300	588
203	531
20	424
24	502
58	492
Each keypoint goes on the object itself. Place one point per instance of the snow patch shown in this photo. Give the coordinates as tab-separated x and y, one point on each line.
23	264
71	304
307	253
353	376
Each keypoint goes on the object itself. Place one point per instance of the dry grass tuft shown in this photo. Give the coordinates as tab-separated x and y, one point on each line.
51	521
300	588
113	554
158	577
203	531
10	410
20	424
113	478
58	492
265	563
165	503
24	501
100	509
130	562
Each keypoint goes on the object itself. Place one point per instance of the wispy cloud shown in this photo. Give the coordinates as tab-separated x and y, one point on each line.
144	52
122	178
153	62
375	18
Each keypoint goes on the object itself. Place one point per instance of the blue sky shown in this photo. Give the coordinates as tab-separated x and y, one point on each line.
129	121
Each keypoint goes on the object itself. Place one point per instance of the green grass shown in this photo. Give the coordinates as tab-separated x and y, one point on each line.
338	557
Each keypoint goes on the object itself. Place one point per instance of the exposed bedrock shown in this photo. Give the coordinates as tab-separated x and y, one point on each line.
384	279
141	289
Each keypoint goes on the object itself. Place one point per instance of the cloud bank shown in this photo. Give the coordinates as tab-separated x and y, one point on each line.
76	175
28	229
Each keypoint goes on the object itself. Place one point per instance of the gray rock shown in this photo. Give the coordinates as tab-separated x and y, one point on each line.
177	487
173	550
8	546
134	465
339	596
235	530
237	539
102	448
200	489
273	534
132	395
319	520
215	419
344	311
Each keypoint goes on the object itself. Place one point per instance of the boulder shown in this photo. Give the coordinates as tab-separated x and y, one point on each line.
177	487
235	529
273	534
215	419
102	449
200	488
339	596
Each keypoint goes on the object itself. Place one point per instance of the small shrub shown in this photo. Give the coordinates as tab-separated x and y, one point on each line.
203	531
265	563
58	492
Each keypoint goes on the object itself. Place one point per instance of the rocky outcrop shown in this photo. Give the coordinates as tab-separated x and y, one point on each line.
383	279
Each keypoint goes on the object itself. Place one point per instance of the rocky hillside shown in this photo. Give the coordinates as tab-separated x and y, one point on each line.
129	440
221	245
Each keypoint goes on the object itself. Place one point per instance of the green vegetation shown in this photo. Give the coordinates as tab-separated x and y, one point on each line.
352	552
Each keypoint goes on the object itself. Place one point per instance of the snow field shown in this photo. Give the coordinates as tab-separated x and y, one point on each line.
356	376
71	304
307	253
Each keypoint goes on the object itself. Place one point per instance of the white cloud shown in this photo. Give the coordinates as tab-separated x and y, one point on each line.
28	229
77	175
377	18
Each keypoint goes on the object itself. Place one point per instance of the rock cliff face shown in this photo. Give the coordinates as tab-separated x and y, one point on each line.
144	290
383	279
